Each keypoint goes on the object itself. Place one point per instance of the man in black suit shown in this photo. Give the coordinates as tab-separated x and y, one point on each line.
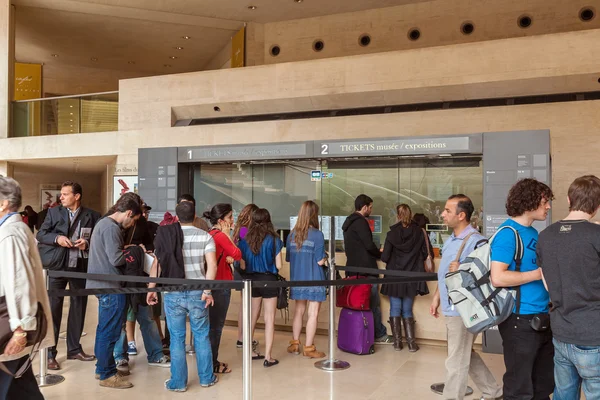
64	240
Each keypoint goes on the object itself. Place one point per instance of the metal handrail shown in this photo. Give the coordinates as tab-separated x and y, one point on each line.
73	96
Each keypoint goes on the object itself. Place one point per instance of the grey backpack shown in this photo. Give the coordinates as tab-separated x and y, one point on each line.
479	303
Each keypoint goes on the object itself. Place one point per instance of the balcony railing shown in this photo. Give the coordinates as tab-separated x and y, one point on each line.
97	112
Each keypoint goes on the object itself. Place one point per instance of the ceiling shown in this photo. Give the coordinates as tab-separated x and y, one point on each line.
236	10
135	38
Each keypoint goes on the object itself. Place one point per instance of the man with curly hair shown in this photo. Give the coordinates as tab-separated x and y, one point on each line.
528	349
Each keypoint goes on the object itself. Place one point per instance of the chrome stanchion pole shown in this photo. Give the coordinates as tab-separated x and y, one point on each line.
332	364
191	349
247	339
44	378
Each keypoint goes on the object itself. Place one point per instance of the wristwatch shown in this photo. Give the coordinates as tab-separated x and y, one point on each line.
207	292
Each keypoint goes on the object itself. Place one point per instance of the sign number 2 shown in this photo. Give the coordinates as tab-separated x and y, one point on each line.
324	149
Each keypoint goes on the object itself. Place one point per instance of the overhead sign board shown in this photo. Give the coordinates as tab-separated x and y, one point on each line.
248	152
400	146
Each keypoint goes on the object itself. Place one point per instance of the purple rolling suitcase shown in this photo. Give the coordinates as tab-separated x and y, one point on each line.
356	332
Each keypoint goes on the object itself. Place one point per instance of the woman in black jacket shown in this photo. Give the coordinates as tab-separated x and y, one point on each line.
404	250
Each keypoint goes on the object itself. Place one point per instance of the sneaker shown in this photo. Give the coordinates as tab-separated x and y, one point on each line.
164	362
173	390
165	347
116	382
385	339
120	373
240	344
131	349
213	383
123	365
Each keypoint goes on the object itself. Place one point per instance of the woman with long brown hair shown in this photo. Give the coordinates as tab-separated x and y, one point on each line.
306	254
405	249
240	232
261	261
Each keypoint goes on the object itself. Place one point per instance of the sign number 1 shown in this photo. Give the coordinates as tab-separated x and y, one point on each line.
189	154
324	149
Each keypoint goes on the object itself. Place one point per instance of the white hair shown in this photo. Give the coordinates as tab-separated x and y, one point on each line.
11	191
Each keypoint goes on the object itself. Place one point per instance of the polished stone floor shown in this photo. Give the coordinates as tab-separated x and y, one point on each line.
385	375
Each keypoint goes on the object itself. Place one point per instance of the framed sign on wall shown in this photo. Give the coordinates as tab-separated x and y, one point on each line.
124	184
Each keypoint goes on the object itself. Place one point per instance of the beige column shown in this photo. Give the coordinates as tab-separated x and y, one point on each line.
7	169
255	44
7	64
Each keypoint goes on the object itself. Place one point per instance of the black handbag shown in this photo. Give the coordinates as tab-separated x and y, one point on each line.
34	338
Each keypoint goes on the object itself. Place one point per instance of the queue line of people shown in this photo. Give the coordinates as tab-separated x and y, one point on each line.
556	280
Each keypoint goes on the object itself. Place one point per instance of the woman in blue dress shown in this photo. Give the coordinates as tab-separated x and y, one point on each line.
305	251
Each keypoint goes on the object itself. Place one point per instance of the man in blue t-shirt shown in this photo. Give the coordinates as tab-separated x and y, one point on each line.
528	353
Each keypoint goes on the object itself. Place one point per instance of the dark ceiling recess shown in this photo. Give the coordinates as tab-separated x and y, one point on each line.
318	45
525	21
364	40
275	50
414	34
587	14
216	108
402	108
467	28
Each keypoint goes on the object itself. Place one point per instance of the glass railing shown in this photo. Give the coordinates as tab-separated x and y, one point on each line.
98	112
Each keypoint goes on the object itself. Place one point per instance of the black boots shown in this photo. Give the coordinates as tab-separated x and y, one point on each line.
409	330
395	323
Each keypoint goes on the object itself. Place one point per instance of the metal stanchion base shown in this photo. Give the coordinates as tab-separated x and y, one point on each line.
438	388
190	349
49	380
332	365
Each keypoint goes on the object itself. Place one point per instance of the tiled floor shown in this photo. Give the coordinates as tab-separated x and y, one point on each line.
385	375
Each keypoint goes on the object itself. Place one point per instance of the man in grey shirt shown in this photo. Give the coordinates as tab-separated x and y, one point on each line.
568	252
107	257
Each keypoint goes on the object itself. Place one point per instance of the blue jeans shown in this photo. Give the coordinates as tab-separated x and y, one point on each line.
177	307
152	342
576	368
217	314
401	307
380	329
111	316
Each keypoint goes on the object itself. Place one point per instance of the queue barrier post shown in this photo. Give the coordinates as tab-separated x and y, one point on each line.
44	378
331	363
247	340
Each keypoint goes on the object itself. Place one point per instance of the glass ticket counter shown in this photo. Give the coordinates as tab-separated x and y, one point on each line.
281	187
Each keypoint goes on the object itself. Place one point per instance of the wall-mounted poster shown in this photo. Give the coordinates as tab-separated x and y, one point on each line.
49	198
124	184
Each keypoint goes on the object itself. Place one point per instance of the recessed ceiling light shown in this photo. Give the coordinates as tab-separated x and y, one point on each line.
298	1
71	106
130	62
94	59
168	65
70	113
178	48
55	55
70	120
186	37
252	7
173	57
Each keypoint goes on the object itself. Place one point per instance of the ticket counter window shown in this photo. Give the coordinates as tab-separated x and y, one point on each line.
281	188
424	184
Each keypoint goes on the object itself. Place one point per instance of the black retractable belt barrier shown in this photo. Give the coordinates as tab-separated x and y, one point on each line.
174	285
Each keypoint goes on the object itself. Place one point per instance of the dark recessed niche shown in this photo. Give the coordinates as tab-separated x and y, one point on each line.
217	108
525	21
275	50
318	45
598	80
587	14
467	28
414	34
364	40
